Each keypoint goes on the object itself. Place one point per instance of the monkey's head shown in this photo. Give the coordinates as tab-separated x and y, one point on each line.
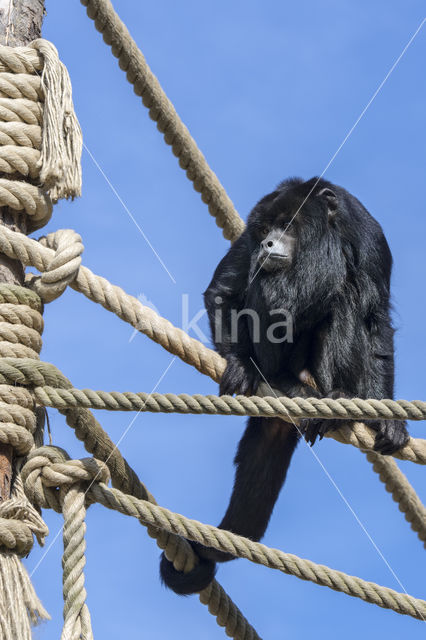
295	218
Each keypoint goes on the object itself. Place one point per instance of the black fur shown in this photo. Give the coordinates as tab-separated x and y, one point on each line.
331	272
186	583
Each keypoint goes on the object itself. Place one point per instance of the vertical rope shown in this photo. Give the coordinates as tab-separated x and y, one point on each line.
77	625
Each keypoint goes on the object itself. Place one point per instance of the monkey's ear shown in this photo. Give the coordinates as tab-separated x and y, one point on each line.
331	199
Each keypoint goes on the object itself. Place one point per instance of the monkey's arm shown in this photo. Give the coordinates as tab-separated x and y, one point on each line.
360	366
391	434
224	298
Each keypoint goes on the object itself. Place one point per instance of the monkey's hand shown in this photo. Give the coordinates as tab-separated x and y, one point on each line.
316	427
391	436
312	428
240	377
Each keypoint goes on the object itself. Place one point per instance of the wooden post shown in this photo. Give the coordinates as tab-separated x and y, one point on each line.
20	23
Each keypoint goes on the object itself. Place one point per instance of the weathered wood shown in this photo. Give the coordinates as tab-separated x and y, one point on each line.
20	22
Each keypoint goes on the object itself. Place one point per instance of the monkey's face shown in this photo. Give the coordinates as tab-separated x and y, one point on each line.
276	250
290	221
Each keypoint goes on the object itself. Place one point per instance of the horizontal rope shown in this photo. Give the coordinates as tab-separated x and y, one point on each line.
57	393
268	406
358	435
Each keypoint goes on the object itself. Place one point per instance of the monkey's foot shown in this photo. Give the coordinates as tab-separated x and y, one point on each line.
391	435
313	428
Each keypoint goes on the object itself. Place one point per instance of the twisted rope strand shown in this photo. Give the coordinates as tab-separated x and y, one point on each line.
77	623
48	467
358	435
112	298
402	492
266	406
162	111
258	553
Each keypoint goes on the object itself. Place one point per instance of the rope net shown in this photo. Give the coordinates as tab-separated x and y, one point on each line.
40	144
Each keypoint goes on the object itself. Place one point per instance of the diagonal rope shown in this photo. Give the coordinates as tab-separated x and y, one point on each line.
162	111
402	492
48	469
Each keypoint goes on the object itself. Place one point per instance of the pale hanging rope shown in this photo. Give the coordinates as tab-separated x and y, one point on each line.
72	496
162	111
42	476
77	624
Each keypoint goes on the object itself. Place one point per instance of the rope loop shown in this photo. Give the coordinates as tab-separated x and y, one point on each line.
63	267
49	472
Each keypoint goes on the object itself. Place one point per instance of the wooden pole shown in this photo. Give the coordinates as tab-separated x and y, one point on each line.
20	23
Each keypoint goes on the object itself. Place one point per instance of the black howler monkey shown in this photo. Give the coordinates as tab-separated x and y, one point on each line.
312	255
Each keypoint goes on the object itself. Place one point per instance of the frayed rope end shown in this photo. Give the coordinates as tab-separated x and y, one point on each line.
62	141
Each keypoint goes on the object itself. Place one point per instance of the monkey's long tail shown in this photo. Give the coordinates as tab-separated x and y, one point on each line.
262	460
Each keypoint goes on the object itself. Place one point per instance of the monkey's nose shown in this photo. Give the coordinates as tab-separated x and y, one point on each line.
267	244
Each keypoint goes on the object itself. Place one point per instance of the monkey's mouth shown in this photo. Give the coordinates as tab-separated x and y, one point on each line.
270	261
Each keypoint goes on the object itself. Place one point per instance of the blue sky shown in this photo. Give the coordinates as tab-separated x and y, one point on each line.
268	90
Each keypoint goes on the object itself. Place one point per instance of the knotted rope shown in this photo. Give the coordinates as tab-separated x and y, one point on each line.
42	472
48	474
21	325
62	484
40	148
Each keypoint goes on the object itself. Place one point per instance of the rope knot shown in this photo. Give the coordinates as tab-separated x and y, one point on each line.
49	473
64	266
19	521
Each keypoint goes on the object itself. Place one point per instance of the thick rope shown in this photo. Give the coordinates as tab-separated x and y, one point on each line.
21	325
402	492
39	161
40	481
49	467
37	115
111	297
266	406
72	496
77	625
177	550
162	111
259	553
47	381
358	434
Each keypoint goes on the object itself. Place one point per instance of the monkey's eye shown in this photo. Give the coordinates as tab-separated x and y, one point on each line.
264	231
